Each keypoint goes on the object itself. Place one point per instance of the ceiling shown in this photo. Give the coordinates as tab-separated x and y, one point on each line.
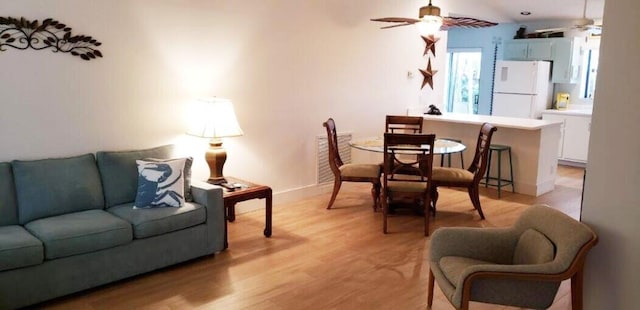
544	9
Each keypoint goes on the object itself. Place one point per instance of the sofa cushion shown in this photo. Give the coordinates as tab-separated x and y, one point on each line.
8	207
80	232
160	184
533	247
157	221
119	172
57	186
18	248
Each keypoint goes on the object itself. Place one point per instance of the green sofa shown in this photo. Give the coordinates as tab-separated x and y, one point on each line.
67	224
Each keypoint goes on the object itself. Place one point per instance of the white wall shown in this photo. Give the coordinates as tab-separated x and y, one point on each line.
287	65
611	197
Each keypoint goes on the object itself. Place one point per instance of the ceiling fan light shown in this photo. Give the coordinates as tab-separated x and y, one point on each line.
429	10
429	24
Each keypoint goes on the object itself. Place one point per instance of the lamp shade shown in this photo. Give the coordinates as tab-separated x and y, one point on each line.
214	118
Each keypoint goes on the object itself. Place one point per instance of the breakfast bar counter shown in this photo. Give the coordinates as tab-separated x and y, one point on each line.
534	145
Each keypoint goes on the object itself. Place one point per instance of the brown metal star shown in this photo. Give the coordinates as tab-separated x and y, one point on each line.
430	41
428	75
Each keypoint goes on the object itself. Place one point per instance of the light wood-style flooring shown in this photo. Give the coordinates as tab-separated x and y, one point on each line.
324	259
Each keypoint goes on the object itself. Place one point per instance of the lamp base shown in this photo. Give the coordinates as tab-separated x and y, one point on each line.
217	181
215	157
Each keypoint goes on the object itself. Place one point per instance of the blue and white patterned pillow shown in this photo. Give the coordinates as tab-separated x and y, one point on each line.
160	184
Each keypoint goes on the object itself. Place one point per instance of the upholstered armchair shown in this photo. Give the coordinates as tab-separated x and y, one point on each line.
520	266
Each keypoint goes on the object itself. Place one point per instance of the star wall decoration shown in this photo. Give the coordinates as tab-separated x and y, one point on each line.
430	42
428	75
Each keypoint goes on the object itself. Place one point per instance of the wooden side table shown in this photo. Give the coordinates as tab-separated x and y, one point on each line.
248	192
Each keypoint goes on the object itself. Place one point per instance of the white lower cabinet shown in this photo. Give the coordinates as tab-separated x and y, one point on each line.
574	135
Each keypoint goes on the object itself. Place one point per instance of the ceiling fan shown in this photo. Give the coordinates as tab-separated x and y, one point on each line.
582	24
431	21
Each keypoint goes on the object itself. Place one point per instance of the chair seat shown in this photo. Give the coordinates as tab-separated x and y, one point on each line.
444	174
453	267
360	170
406	186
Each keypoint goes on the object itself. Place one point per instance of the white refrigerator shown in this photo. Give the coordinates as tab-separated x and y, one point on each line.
521	88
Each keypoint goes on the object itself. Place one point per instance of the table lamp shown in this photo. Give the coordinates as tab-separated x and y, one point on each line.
215	118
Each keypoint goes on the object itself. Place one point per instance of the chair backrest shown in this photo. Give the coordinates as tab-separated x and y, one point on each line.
479	163
403	124
571	239
332	141
409	157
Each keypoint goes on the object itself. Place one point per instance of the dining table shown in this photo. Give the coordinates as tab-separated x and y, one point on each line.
376	144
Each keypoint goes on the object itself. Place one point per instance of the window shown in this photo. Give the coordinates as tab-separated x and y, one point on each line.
463	83
591	73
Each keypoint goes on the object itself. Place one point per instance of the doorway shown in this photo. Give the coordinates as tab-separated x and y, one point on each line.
463	82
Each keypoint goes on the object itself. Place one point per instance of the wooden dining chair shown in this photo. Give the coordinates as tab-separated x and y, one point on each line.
467	178
349	172
403	124
408	162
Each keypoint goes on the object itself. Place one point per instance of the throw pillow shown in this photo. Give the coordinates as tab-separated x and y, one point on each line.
187	176
160	184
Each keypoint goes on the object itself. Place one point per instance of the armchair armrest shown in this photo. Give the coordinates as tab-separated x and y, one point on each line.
487	244
210	196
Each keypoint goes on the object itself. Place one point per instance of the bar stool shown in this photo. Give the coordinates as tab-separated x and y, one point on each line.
500	182
449	156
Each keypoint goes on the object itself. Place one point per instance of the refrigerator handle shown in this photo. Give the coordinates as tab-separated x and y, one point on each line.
504	74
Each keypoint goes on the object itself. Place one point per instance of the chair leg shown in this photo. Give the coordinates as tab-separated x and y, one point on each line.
375	193
385	211
336	188
434	199
576	290
430	290
474	195
427	209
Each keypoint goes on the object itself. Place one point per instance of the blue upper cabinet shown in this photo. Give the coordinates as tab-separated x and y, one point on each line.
565	53
534	49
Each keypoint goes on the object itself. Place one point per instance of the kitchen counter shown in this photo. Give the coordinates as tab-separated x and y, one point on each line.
499	121
576	112
534	146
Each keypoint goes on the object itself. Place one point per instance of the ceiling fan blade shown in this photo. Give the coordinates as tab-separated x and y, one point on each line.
551	30
465	22
396	20
396	25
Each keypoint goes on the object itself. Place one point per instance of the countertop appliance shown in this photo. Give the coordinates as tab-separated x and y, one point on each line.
522	88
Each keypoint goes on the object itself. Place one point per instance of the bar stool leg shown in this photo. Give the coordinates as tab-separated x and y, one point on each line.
499	173
461	160
486	180
513	187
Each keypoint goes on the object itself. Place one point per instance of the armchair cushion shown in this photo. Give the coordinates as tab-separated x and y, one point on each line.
360	170
533	248
453	267
451	174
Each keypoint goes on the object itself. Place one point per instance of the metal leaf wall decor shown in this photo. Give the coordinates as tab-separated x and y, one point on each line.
50	34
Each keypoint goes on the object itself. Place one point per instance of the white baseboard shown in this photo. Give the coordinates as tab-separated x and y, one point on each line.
284	197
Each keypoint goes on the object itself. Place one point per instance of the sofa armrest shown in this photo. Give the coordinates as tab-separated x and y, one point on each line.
210	196
487	244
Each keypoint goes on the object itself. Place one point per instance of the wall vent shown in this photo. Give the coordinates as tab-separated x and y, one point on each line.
324	173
